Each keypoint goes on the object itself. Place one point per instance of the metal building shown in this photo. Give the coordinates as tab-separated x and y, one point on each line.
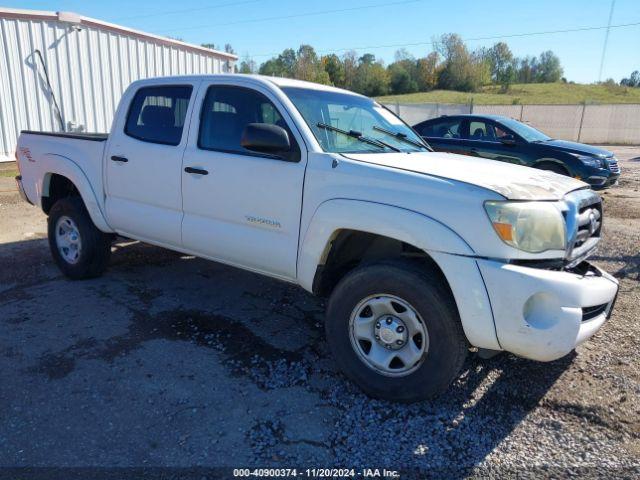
62	71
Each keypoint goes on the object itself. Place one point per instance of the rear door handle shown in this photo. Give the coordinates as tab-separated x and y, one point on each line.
197	171
115	158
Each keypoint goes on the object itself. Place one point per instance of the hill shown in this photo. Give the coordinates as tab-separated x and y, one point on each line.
527	93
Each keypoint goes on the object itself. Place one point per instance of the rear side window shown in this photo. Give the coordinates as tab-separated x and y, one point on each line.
442	129
157	114
226	112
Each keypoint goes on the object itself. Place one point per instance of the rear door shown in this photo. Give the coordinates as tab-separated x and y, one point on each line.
241	207
143	165
444	134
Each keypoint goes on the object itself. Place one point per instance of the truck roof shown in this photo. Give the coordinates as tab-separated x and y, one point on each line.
263	79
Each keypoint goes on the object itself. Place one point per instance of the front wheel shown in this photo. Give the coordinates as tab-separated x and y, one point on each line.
79	249
394	329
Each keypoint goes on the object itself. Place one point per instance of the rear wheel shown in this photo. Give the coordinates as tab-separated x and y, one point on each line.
79	249
394	329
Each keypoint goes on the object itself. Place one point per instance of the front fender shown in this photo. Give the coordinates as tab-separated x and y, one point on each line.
60	165
411	227
449	250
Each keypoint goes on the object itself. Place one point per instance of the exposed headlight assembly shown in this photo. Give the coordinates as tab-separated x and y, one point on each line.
532	227
596	162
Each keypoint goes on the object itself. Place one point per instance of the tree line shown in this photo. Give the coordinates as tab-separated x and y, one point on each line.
450	66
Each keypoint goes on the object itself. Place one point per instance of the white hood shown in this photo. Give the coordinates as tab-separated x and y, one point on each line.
514	182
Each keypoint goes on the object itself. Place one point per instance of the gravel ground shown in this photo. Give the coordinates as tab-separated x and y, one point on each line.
172	361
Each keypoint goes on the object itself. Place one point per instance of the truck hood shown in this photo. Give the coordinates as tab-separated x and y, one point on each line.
579	148
513	182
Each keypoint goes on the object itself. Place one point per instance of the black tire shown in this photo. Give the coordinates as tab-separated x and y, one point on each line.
424	291
553	167
95	252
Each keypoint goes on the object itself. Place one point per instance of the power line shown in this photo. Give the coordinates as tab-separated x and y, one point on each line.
187	10
297	15
496	37
606	40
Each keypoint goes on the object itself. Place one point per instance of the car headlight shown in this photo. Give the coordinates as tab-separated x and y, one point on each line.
533	227
596	162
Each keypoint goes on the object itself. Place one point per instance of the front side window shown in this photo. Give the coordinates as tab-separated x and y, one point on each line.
326	112
226	112
486	131
443	129
157	114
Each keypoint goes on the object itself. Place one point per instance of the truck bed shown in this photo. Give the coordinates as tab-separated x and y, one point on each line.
94	137
42	153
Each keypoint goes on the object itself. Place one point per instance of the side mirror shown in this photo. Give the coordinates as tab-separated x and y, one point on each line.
508	140
265	138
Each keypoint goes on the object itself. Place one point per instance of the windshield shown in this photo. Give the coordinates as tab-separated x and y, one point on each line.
530	134
346	123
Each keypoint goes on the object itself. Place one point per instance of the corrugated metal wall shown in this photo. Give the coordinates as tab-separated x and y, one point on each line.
89	70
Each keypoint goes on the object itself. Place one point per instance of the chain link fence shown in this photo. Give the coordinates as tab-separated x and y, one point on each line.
605	124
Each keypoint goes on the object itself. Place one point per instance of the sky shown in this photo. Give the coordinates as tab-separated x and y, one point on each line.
263	28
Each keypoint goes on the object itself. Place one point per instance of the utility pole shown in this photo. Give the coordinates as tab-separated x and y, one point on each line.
606	40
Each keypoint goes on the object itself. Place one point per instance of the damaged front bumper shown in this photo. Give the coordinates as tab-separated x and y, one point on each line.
544	314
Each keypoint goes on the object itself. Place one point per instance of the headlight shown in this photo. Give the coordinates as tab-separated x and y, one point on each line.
533	227
596	162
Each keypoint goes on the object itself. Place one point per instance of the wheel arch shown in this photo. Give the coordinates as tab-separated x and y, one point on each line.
570	171
63	178
376	230
362	227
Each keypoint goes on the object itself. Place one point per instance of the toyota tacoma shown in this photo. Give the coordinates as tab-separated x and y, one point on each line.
422	255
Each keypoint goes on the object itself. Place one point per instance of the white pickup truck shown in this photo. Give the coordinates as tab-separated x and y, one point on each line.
422	255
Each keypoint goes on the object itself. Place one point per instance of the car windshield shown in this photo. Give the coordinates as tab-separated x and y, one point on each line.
530	134
347	123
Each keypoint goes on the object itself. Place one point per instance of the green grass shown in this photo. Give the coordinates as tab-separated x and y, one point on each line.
11	172
531	93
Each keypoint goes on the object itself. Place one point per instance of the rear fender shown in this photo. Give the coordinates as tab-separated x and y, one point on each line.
63	166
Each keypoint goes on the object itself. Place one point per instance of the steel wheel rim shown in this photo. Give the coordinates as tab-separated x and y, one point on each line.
68	240
388	335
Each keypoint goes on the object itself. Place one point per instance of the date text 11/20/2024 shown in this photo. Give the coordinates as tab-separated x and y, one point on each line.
316	472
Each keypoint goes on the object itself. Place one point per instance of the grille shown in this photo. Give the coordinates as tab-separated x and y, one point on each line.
584	224
589	313
613	165
588	224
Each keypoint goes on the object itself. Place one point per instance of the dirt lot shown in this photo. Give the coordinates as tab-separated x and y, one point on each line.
172	361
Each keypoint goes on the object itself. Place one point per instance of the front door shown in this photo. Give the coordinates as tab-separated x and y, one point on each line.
484	140
241	207
144	164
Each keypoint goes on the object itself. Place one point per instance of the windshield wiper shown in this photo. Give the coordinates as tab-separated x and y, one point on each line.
359	136
400	136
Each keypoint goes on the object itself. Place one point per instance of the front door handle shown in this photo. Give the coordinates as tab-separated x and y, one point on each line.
197	171
115	158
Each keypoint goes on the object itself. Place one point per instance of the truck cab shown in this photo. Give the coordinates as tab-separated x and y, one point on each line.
422	255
